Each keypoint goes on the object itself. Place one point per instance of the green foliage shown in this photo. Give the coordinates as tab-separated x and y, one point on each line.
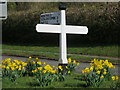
44	79
102	19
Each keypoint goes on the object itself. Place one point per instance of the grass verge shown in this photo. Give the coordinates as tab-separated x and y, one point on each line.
72	81
53	52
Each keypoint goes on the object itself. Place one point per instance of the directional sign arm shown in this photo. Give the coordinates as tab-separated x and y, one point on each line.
76	29
45	28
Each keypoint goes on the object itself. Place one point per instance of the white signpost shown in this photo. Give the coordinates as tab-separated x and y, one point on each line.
62	29
3	9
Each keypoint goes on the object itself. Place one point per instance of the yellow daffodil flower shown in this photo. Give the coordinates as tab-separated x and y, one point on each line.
3	66
77	63
104	72
69	60
68	71
34	70
113	77
53	71
44	63
91	68
40	68
98	72
30	57
102	76
12	68
74	62
117	77
48	67
66	67
60	67
7	67
44	71
40	63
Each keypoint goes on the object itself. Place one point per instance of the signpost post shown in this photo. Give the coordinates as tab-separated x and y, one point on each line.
62	29
3	9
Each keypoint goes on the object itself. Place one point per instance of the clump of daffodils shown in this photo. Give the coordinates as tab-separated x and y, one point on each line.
114	77
32	64
8	64
101	67
45	69
98	70
72	64
13	68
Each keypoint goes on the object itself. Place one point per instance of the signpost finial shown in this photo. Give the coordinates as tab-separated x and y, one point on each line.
62	6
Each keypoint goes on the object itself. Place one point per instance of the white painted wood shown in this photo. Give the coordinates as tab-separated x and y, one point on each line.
63	29
76	29
45	28
63	46
3	9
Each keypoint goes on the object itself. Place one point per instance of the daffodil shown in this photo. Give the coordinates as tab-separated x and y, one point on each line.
77	63
7	67
53	71
83	71
74	62
98	72
12	68
60	67
86	70
66	67
68	71
33	62
23	67
36	59
44	63
117	77
48	67
91	68
19	68
69	60
40	63
44	71
30	57
40	68
113	77
3	66
34	70
104	72
102	76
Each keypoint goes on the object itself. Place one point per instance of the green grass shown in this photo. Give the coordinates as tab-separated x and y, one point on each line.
0	79
53	52
71	81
